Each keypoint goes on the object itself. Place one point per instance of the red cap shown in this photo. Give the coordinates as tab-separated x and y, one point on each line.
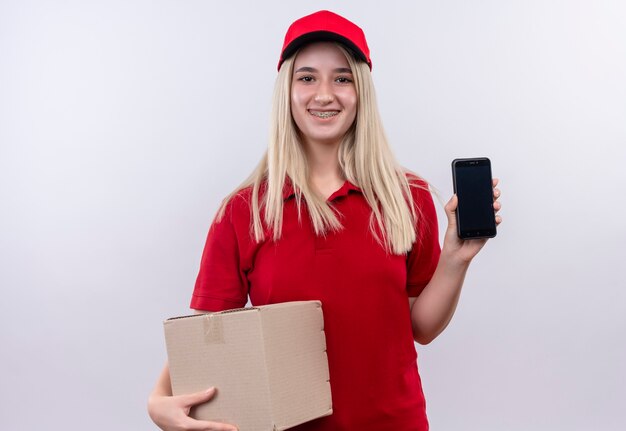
325	26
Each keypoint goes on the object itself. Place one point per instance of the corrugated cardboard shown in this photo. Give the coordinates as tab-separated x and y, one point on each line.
269	364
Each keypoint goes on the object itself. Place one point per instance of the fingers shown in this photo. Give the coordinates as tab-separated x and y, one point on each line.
214	426
198	397
496	191
211	426
172	412
497	206
195	425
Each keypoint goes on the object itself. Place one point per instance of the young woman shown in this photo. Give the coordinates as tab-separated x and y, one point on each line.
329	215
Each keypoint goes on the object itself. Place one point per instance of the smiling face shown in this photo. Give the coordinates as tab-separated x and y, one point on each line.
323	94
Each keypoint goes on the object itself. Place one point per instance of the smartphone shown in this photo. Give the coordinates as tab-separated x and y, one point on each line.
473	186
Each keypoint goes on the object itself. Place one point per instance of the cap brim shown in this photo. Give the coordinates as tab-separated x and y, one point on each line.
321	36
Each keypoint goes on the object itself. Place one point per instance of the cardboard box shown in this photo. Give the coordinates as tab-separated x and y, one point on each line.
269	364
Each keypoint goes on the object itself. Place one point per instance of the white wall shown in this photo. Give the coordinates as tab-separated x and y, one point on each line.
123	123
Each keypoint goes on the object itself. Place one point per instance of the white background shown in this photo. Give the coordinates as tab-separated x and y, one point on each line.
123	124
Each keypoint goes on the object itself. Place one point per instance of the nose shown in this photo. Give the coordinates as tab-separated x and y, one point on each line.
324	94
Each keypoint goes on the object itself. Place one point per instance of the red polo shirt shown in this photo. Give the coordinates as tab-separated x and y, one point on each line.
364	293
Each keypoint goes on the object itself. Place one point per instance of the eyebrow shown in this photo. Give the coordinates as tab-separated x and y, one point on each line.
313	70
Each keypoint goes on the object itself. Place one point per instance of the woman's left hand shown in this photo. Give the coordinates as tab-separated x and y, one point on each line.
465	250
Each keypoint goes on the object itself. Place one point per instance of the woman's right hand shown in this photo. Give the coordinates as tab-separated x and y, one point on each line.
171	413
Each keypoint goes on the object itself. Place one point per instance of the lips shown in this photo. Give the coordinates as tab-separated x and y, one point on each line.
323	114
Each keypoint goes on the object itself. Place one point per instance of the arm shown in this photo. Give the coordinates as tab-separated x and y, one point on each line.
433	309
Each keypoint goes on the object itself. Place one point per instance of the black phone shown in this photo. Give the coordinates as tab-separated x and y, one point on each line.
473	186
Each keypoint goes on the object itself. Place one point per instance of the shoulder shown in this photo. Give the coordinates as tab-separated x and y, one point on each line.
241	198
236	206
426	226
422	196
420	189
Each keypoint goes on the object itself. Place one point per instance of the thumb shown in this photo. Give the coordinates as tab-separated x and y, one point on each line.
450	209
198	397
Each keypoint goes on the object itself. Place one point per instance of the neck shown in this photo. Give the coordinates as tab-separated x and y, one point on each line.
324	170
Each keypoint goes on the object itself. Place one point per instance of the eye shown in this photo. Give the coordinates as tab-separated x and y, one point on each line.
306	78
343	80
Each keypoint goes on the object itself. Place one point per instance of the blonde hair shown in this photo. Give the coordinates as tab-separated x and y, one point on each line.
365	159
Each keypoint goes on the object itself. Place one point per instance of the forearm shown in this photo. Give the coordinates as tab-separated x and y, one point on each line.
434	307
163	386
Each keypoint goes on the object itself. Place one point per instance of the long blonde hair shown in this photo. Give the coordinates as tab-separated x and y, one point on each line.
365	159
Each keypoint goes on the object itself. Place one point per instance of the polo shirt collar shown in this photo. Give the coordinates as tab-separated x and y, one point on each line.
344	190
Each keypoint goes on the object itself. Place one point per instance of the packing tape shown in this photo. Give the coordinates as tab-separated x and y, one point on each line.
213	329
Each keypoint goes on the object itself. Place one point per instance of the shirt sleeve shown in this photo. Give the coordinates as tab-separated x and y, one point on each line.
423	258
221	283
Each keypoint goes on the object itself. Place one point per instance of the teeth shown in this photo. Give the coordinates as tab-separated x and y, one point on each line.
324	114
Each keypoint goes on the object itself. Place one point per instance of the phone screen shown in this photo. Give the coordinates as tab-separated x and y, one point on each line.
473	186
